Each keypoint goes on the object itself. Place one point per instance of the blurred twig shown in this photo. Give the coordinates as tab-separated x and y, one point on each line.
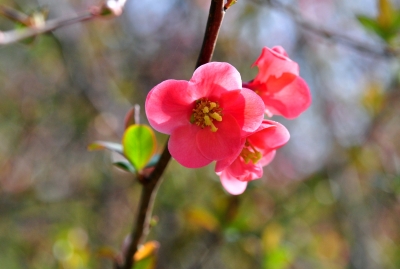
382	51
15	15
150	183
107	8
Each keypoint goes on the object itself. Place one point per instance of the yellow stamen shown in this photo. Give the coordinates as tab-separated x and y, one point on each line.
213	128
207	120
216	116
250	153
205	112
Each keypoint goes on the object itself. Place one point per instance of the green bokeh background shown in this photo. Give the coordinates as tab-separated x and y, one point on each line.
330	199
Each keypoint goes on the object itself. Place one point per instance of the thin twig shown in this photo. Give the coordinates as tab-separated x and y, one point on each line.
150	183
14	15
382	50
18	35
109	7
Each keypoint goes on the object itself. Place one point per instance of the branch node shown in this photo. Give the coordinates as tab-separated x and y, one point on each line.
229	3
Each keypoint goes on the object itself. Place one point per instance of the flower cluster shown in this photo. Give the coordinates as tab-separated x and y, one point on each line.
278	83
216	117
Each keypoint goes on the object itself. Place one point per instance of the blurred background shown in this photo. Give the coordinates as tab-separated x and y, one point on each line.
330	199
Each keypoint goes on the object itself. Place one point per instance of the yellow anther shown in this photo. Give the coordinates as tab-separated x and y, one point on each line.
207	120
250	153
213	128
205	112
216	116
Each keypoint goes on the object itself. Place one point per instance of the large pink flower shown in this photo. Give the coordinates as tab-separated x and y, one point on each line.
206	116
258	150
278	83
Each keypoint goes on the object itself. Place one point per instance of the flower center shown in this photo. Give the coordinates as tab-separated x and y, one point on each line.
205	112
250	153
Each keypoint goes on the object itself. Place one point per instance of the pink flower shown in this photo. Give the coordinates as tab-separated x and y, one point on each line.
258	150
206	116
278	83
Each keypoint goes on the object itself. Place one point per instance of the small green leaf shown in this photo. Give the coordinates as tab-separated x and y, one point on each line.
396	21
148	263
370	24
101	145
139	145
125	165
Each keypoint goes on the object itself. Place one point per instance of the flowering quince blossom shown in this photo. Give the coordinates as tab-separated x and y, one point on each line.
207	116
258	150
278	83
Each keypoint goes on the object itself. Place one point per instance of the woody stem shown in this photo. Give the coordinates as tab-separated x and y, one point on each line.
150	183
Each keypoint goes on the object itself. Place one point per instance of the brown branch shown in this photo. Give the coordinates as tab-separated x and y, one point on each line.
212	29
141	226
109	7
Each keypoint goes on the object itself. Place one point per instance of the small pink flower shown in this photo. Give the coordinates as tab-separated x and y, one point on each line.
258	150
278	83
206	116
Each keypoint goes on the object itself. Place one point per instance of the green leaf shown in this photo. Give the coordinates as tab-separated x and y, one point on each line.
396	21
386	25
371	24
101	145
278	258
125	165
139	145
148	263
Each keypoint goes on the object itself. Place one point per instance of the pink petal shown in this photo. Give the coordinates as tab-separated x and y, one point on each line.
270	135
183	148
267	158
222	164
214	78
231	184
169	105
274	62
290	101
247	108
223	143
279	52
274	85
245	171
